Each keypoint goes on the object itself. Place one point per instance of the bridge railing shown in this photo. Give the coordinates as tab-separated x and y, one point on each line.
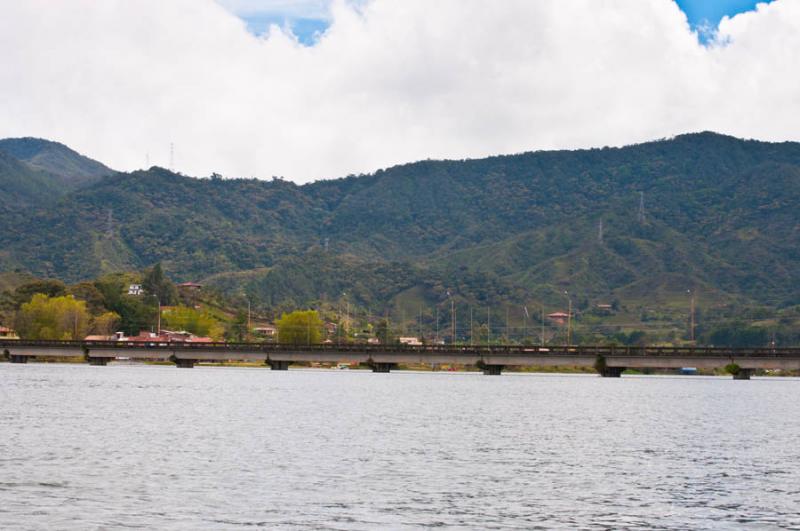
482	350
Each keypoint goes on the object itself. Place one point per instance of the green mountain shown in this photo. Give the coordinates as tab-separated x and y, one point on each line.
64	165
719	217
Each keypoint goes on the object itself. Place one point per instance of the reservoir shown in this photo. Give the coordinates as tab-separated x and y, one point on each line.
135	446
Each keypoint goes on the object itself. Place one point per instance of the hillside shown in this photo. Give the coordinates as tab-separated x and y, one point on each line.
719	217
68	167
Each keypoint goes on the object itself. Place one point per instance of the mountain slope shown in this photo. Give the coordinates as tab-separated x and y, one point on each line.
718	213
67	166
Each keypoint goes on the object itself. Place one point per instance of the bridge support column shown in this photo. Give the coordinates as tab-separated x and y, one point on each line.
279	365
493	370
184	364
743	374
100	362
382	367
611	372
17	358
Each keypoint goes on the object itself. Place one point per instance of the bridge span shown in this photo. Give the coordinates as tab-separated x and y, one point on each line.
609	361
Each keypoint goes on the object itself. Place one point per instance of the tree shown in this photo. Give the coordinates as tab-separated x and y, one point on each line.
737	334
200	323
51	288
384	333
135	314
53	318
87	291
105	324
237	329
157	284
301	327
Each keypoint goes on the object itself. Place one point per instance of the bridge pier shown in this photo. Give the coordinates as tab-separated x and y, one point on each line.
184	364
743	374
382	367
18	358
279	365
493	370
611	372
100	362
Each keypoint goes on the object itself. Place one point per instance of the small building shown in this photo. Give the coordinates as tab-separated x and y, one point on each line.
331	328
135	290
603	309
266	330
560	318
373	341
412	341
100	338
189	287
7	333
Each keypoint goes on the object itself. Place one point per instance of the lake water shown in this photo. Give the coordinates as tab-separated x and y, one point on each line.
227	448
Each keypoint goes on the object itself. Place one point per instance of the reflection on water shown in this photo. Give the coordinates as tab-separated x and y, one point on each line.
221	448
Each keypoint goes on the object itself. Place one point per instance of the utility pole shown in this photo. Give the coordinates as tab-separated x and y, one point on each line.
600	232
420	322
453	317
471	329
691	316
437	324
641	207
249	325
569	319
508	327
542	338
488	325
525	325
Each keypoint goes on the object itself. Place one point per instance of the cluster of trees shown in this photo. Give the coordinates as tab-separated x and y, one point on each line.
50	309
300	327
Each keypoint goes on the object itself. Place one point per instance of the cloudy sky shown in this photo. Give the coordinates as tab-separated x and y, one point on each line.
313	89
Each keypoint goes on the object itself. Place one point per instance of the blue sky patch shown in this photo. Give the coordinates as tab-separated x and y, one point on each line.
704	16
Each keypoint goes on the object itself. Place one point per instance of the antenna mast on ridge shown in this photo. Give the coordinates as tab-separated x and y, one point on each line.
641	207
600	232
171	157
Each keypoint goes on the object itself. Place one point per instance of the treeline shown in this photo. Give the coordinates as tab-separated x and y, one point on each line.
51	309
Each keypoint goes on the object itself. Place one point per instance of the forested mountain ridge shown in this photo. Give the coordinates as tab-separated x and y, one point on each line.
70	168
719	215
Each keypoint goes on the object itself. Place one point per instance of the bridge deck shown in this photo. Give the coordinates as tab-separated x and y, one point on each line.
504	355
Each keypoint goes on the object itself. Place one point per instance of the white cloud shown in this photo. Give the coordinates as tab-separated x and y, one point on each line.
391	81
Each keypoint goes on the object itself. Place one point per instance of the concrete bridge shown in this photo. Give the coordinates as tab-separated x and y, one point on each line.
608	361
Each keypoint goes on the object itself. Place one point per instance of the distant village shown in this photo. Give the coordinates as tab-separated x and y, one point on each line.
259	330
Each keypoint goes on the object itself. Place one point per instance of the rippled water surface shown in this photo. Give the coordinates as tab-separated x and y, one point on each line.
224	448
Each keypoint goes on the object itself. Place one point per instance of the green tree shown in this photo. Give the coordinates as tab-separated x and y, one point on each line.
105	324
237	330
737	334
301	327
53	318
156	283
135	314
198	322
51	288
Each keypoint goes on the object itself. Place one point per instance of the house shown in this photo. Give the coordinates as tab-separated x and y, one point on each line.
331	328
167	336
135	289
189	287
559	318
603	309
413	341
7	333
266	330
